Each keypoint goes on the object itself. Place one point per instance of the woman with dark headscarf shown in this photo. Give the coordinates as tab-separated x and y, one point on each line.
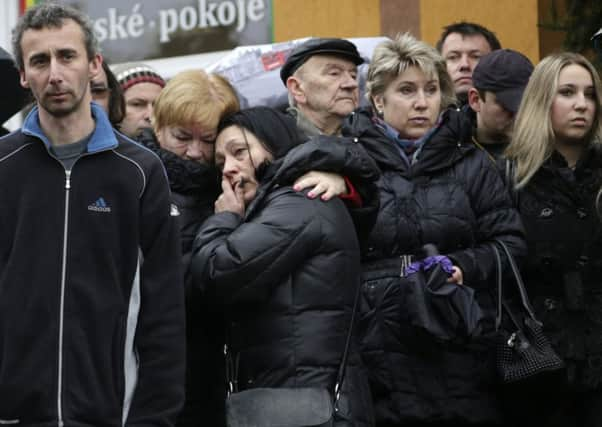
285	267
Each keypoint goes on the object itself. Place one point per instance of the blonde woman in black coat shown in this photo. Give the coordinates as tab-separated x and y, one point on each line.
557	153
436	188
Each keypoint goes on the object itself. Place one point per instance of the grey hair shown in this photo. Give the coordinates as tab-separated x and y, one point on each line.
52	15
299	73
292	102
393	57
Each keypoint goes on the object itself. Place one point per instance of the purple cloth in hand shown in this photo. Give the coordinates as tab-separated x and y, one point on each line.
428	263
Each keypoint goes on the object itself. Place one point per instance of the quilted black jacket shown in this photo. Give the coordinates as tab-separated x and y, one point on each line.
451	196
286	275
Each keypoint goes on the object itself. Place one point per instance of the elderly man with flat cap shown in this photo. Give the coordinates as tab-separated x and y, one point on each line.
499	80
322	81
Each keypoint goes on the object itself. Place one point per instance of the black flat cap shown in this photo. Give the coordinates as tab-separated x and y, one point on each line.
506	73
315	46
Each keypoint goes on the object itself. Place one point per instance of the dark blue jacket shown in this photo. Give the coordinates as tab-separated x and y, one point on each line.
91	295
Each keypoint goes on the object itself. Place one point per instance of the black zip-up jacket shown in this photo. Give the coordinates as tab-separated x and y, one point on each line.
91	295
286	275
451	196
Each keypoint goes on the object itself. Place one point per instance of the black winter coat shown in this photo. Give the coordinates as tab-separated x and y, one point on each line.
451	196
194	188
287	274
563	272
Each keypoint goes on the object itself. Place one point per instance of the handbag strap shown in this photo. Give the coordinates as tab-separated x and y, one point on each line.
517	279
498	281
232	366
501	304
343	365
509	181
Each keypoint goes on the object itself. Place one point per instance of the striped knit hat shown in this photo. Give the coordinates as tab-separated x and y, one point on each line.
132	73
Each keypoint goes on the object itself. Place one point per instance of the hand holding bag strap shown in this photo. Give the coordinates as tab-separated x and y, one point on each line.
343	365
518	280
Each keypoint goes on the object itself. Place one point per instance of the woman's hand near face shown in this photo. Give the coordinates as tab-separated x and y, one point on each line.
326	184
457	276
231	200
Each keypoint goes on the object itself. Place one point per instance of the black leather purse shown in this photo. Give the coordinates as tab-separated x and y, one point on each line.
286	407
522	350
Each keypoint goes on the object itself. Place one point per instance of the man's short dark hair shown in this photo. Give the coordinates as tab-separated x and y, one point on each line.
52	15
468	29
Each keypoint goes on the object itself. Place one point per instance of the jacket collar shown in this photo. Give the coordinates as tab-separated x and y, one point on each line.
442	148
306	126
103	137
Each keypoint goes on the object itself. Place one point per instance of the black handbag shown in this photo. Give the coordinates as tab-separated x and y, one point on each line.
286	407
523	352
443	310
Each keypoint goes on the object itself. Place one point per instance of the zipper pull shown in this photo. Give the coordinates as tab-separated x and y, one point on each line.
68	179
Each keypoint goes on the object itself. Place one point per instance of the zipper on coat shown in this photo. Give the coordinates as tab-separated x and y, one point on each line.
62	301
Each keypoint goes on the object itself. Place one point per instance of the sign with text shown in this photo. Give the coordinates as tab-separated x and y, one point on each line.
131	30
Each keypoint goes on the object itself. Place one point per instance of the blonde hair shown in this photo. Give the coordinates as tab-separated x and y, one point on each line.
533	137
393	57
194	98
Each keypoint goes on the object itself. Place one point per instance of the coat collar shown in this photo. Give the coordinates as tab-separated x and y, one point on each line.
103	137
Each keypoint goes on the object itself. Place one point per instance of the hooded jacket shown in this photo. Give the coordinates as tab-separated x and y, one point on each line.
91	295
452	196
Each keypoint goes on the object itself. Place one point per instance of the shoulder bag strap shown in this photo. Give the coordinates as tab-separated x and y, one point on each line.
498	281
509	181
518	280
232	368
343	365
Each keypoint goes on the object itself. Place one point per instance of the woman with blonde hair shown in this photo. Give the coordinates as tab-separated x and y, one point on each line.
185	118
436	188
557	156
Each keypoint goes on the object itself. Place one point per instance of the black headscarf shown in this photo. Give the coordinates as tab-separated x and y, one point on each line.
276	131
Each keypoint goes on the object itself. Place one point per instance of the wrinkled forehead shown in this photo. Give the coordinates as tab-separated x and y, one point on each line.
319	62
69	35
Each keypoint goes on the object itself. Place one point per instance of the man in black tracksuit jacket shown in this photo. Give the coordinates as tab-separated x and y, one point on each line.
91	295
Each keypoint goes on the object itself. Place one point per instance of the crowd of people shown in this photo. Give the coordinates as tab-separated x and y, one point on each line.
178	248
